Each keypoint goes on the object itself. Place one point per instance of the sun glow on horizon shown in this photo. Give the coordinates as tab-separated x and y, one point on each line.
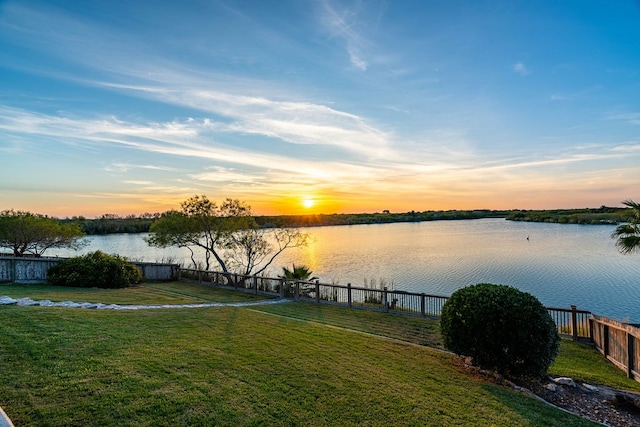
308	202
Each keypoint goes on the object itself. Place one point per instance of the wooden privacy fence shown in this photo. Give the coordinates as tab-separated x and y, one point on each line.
619	342
572	323
35	270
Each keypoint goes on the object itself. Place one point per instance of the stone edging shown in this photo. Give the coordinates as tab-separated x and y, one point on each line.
24	302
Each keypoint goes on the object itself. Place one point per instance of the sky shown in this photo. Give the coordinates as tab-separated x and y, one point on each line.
318	106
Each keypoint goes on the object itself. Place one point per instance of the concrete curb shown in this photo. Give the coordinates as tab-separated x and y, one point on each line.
4	419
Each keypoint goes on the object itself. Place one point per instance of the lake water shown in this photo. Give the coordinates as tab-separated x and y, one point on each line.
560	264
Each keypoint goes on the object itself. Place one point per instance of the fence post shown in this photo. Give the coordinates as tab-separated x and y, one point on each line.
281	288
574	322
423	305
630	355
349	294
385	300
318	291
199	276
235	281
297	290
255	283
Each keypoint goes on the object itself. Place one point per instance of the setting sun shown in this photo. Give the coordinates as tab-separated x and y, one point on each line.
308	202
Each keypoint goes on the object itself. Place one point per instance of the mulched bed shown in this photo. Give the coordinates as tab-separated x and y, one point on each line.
606	405
617	408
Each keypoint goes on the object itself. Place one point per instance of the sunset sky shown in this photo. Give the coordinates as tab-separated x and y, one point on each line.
318	106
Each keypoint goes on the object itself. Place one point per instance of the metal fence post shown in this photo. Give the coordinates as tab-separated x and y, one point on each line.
318	291
297	290
349	294
255	283
423	305
385	301
574	322
281	288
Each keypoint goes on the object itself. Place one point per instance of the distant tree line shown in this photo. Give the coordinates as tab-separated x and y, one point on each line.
601	215
231	227
374	218
113	223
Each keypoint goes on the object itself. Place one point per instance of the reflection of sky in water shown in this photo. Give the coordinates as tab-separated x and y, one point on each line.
559	264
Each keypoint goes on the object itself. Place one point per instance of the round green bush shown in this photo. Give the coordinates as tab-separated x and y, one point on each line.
501	328
95	269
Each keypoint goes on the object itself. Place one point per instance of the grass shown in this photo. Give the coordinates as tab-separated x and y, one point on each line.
405	328
148	293
576	360
264	365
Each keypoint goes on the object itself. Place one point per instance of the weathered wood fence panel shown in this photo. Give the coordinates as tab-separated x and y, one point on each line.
34	270
157	271
619	342
25	270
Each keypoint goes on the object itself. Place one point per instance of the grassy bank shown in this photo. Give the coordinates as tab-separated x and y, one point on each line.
265	365
577	360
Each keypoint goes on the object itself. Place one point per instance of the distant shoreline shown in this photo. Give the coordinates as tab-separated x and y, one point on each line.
112	224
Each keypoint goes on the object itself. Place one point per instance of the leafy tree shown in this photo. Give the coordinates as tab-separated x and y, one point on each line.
628	235
28	233
501	328
227	232
252	250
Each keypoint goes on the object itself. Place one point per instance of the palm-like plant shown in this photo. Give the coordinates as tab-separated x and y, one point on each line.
628	235
301	273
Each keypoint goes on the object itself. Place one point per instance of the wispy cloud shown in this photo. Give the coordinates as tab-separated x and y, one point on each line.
222	174
520	68
190	138
295	122
245	107
342	22
631	118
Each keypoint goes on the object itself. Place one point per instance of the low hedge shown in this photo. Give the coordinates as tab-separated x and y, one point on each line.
95	270
501	328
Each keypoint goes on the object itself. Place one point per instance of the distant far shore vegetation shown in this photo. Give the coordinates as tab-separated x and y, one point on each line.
112	223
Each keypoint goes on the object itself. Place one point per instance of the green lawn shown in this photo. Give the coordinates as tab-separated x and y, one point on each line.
263	365
147	293
576	360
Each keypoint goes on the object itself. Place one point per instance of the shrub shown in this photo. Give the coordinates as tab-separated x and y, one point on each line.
95	269
501	328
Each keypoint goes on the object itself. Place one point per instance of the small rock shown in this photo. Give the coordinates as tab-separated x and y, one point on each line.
589	387
551	387
565	381
5	300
